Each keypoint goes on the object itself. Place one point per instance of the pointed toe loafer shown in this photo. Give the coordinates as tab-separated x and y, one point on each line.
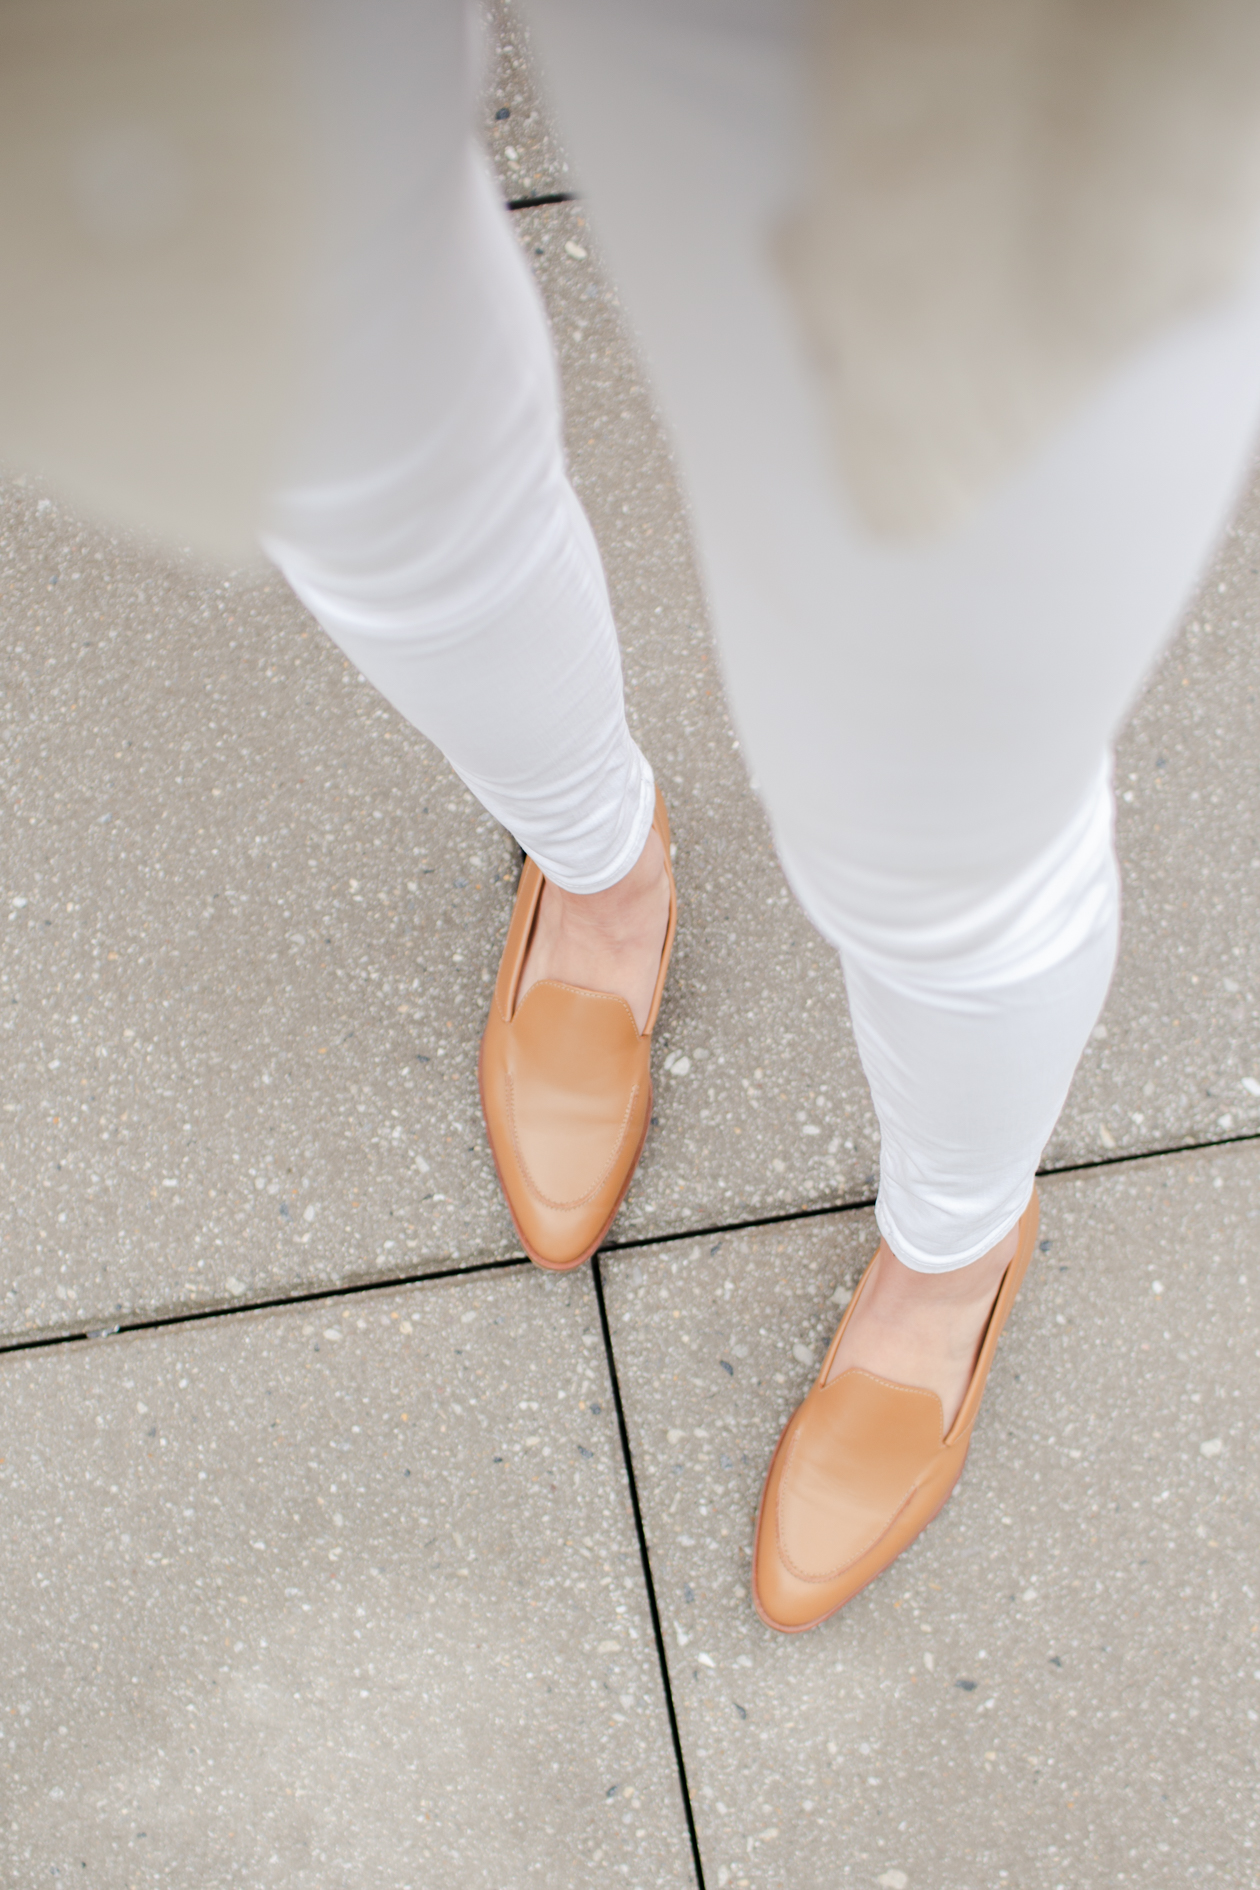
566	1091
860	1470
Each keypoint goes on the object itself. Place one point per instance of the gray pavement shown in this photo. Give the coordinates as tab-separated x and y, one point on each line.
244	990
250	922
529	159
341	1594
1059	1683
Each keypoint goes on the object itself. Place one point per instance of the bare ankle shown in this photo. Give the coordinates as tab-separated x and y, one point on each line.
611	909
924	1329
972	1281
606	941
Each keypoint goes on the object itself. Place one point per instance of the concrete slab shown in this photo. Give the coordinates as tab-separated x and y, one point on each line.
1182	1026
340	1596
528	158
249	924
230	849
1058	1685
261	918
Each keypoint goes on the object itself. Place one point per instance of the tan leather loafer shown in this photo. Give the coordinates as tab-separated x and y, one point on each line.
860	1470
566	1090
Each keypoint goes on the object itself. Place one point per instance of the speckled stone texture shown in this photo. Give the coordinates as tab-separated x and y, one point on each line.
250	922
1180	1060
347	1594
521	143
1057	1686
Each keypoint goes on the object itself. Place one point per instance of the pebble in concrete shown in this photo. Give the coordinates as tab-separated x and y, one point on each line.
344	1594
1058	1686
520	141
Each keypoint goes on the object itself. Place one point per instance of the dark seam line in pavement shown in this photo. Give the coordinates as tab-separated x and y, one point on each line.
1148	1155
868	1201
737	1227
646	1563
390	1282
540	203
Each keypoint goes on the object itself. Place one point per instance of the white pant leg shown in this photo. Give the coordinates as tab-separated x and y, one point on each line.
426	518
970	1030
928	725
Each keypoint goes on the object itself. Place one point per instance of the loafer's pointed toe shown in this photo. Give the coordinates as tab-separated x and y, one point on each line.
567	1097
853	1474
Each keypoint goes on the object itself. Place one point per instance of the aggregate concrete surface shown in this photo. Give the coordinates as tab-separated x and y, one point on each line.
219	841
1057	1686
341	1594
252	920
528	158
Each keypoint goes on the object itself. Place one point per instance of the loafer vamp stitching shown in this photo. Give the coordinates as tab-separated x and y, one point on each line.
601	1180
879	1531
855	1460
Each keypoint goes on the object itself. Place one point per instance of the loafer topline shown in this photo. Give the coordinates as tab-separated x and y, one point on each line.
566	1091
860	1470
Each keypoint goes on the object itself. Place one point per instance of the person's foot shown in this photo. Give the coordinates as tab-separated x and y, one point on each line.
607	941
863	1464
924	1329
565	1063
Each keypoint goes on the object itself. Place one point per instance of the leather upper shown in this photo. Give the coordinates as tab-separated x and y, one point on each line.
861	1468
854	1466
566	1090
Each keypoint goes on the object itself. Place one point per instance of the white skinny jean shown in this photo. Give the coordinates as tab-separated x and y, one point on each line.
928	726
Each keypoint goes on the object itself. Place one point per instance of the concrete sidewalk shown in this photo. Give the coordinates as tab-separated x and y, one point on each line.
365	1555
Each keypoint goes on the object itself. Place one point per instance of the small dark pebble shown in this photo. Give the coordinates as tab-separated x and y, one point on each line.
596	1409
584	1452
689	1593
727	1367
503	112
1043	1246
739	1709
1055	1661
967	1686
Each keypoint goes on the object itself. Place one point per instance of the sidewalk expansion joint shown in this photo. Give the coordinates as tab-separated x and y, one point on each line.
391	1282
645	1561
388	1282
543	199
